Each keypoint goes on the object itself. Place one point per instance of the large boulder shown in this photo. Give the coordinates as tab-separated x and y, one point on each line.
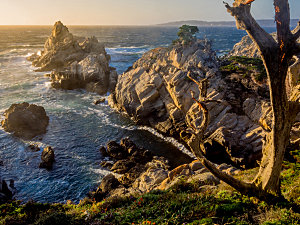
76	62
25	120
47	158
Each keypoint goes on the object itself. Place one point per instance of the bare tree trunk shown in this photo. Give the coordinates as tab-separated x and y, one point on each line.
277	140
276	57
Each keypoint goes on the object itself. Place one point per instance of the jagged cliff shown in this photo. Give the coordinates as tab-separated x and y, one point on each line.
76	62
157	92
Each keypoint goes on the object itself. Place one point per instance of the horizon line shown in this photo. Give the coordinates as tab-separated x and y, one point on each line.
163	23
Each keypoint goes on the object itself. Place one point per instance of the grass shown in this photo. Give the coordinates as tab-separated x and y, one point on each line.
245	66
184	203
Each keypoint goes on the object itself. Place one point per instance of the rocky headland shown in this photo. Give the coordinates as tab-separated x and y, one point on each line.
157	92
75	62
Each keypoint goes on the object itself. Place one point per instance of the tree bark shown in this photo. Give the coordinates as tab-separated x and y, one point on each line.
276	57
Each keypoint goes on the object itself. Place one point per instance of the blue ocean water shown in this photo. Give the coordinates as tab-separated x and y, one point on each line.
77	127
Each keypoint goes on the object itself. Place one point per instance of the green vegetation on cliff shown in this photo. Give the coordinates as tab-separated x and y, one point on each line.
245	66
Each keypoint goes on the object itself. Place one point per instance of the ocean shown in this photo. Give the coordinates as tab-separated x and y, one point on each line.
77	127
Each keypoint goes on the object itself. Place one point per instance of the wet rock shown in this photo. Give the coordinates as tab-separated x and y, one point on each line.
126	143
34	147
5	192
108	183
103	151
122	166
98	101
47	158
25	120
115	150
106	164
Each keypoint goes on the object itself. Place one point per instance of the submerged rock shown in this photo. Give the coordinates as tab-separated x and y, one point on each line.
25	120
98	101
76	62
6	192
47	158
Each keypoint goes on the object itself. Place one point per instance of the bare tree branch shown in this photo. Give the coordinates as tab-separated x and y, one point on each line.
197	147
245	21
296	31
282	19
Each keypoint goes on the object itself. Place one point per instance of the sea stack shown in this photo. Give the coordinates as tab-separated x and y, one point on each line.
75	62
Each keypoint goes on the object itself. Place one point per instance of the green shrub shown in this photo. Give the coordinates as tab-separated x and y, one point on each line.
186	34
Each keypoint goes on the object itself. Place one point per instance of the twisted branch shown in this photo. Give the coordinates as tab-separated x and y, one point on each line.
296	32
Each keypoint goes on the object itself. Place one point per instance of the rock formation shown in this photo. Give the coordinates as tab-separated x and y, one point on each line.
247	48
157	92
137	171
6	192
76	62
25	120
47	158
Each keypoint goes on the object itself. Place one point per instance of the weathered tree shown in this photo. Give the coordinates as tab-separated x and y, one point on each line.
186	34
276	56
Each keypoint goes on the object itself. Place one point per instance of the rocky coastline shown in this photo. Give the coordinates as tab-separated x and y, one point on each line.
158	92
135	171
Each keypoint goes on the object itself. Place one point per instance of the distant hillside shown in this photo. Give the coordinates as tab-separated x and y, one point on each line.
199	23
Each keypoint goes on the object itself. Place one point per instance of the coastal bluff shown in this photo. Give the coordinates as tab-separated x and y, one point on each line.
75	62
156	92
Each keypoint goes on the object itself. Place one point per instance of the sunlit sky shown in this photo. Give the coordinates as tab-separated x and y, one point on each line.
124	12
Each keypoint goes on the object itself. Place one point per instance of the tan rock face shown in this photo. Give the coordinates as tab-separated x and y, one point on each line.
78	62
156	92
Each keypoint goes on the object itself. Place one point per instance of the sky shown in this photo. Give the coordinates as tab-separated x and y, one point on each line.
125	12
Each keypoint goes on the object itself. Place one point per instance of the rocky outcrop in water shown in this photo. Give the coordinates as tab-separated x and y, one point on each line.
157	92
76	62
25	120
6	191
47	158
